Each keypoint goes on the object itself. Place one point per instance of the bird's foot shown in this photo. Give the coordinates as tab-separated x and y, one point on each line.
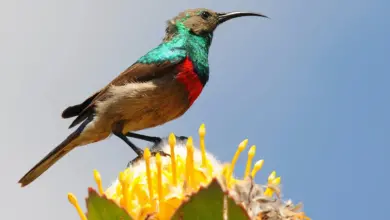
181	138
136	149
153	154
153	139
156	148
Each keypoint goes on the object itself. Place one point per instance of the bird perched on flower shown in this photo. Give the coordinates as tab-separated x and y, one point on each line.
159	87
159	147
189	184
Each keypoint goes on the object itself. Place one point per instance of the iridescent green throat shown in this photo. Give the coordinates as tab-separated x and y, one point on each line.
183	44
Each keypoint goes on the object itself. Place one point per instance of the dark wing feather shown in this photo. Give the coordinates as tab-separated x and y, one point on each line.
75	110
138	72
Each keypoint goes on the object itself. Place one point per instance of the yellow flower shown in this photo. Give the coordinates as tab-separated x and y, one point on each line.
157	185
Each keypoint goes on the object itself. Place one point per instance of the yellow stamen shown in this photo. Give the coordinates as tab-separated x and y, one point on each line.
145	210
147	156
118	189
172	144
257	167
272	180
225	172
124	183
251	154
268	192
157	191
202	133
131	187
190	162
240	148
276	181
272	176
300	216
73	200
159	181
98	181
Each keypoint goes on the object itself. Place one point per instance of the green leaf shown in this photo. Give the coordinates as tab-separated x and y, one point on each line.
102	208
236	211
208	203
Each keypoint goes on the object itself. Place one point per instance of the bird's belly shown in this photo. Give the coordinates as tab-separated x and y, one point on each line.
145	105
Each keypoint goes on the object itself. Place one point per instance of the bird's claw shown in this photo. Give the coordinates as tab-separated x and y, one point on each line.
182	138
156	148
152	139
153	153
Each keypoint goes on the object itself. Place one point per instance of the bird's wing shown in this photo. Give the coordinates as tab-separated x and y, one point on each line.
75	110
138	72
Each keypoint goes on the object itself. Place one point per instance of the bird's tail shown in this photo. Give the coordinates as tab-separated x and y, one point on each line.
57	153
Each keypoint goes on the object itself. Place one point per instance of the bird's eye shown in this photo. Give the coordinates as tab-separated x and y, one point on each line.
205	15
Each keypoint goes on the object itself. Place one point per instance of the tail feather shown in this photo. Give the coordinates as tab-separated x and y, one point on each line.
57	153
75	110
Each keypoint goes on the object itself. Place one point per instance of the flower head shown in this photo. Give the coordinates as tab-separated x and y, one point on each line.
158	184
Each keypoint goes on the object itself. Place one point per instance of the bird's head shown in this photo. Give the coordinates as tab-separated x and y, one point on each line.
201	21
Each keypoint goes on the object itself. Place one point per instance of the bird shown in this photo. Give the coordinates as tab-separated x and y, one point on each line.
159	87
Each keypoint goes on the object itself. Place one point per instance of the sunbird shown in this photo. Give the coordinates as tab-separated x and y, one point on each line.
159	87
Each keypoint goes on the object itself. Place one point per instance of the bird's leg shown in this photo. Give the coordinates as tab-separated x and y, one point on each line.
117	131
155	149
136	149
155	140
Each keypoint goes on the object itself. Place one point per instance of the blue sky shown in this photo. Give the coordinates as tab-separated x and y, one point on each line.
309	87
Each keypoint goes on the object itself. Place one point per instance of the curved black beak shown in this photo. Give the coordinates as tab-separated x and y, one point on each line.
222	17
